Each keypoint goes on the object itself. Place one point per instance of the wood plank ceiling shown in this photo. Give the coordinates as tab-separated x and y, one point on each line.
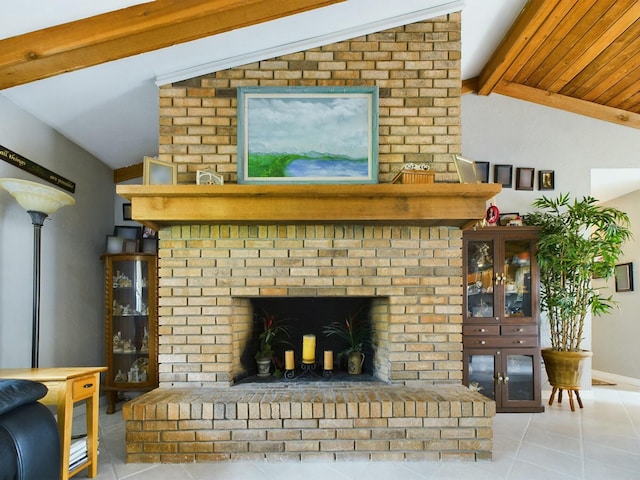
579	56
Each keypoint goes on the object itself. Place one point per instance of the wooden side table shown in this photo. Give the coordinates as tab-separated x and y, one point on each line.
68	385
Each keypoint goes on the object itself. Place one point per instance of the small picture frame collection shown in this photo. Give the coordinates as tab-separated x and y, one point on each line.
132	239
524	176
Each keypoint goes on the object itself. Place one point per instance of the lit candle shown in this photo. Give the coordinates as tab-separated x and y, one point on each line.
289	364
309	349
328	359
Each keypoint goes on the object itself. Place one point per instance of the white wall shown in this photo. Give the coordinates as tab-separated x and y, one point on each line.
615	337
502	130
73	238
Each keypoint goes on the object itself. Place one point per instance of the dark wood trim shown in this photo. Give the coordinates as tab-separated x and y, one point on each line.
128	173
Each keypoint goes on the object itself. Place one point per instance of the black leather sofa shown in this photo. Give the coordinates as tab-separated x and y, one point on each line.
29	438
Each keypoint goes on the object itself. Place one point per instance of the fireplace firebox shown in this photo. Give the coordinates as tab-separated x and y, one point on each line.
310	316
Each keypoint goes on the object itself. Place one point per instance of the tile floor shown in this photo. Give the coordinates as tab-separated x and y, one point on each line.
602	441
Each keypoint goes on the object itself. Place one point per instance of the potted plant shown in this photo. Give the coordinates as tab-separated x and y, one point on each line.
357	334
272	333
579	240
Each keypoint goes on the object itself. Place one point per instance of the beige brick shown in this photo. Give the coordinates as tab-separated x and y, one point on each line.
205	270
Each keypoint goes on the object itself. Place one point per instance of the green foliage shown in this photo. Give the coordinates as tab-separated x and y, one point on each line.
273	333
579	240
353	330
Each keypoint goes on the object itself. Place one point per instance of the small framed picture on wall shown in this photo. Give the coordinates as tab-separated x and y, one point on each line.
624	277
482	168
503	174
546	180
126	211
524	178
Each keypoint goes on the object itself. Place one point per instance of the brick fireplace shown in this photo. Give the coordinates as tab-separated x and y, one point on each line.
210	271
209	275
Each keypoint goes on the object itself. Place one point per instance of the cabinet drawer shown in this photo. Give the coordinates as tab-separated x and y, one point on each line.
84	387
480	341
482	330
519	330
500	341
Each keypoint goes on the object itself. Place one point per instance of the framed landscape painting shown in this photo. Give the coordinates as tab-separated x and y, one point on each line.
307	135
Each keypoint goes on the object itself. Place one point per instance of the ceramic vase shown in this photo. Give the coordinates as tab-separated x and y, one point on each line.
355	362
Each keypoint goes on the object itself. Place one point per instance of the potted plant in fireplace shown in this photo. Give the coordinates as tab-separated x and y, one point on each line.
579	240
273	332
356	332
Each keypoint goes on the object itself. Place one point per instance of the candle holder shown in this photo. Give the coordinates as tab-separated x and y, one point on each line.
307	370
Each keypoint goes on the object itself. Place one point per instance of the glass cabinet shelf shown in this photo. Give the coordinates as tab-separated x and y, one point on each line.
131	324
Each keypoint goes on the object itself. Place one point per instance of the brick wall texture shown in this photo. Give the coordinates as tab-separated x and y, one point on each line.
208	273
305	423
416	68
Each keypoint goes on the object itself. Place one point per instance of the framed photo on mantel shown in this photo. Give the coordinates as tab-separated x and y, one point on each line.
307	135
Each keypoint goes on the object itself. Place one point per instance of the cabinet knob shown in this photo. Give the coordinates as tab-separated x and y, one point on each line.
519	342
518	330
481	342
482	330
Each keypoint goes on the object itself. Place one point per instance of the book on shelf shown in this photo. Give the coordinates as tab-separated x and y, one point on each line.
78	453
77	445
75	464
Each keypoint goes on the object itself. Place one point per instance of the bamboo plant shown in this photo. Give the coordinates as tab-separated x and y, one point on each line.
579	240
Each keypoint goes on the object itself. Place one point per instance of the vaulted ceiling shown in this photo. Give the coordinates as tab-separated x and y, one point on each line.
579	56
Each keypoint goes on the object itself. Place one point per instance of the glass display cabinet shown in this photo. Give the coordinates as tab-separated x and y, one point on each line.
500	309
131	325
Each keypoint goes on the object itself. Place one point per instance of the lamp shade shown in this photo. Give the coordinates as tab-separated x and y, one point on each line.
36	197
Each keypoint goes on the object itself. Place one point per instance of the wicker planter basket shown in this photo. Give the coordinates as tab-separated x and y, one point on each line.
414	176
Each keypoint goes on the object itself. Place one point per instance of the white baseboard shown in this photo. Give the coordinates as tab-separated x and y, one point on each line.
613	378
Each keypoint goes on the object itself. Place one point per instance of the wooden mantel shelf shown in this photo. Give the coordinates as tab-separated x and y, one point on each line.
449	204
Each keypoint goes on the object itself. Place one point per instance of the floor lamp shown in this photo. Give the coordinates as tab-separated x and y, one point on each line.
39	201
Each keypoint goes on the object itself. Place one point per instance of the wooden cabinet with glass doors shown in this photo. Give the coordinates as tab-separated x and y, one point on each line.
501	325
131	328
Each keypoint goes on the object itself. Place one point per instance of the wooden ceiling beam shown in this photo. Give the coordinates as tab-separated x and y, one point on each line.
525	26
569	104
132	31
469	86
128	173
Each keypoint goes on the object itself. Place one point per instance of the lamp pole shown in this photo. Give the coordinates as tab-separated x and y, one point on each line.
37	218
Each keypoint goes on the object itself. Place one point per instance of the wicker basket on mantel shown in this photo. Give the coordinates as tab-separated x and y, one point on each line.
414	176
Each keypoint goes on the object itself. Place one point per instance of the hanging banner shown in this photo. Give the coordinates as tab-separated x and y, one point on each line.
39	171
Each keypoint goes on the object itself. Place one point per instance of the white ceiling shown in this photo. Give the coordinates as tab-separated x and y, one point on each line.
111	110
